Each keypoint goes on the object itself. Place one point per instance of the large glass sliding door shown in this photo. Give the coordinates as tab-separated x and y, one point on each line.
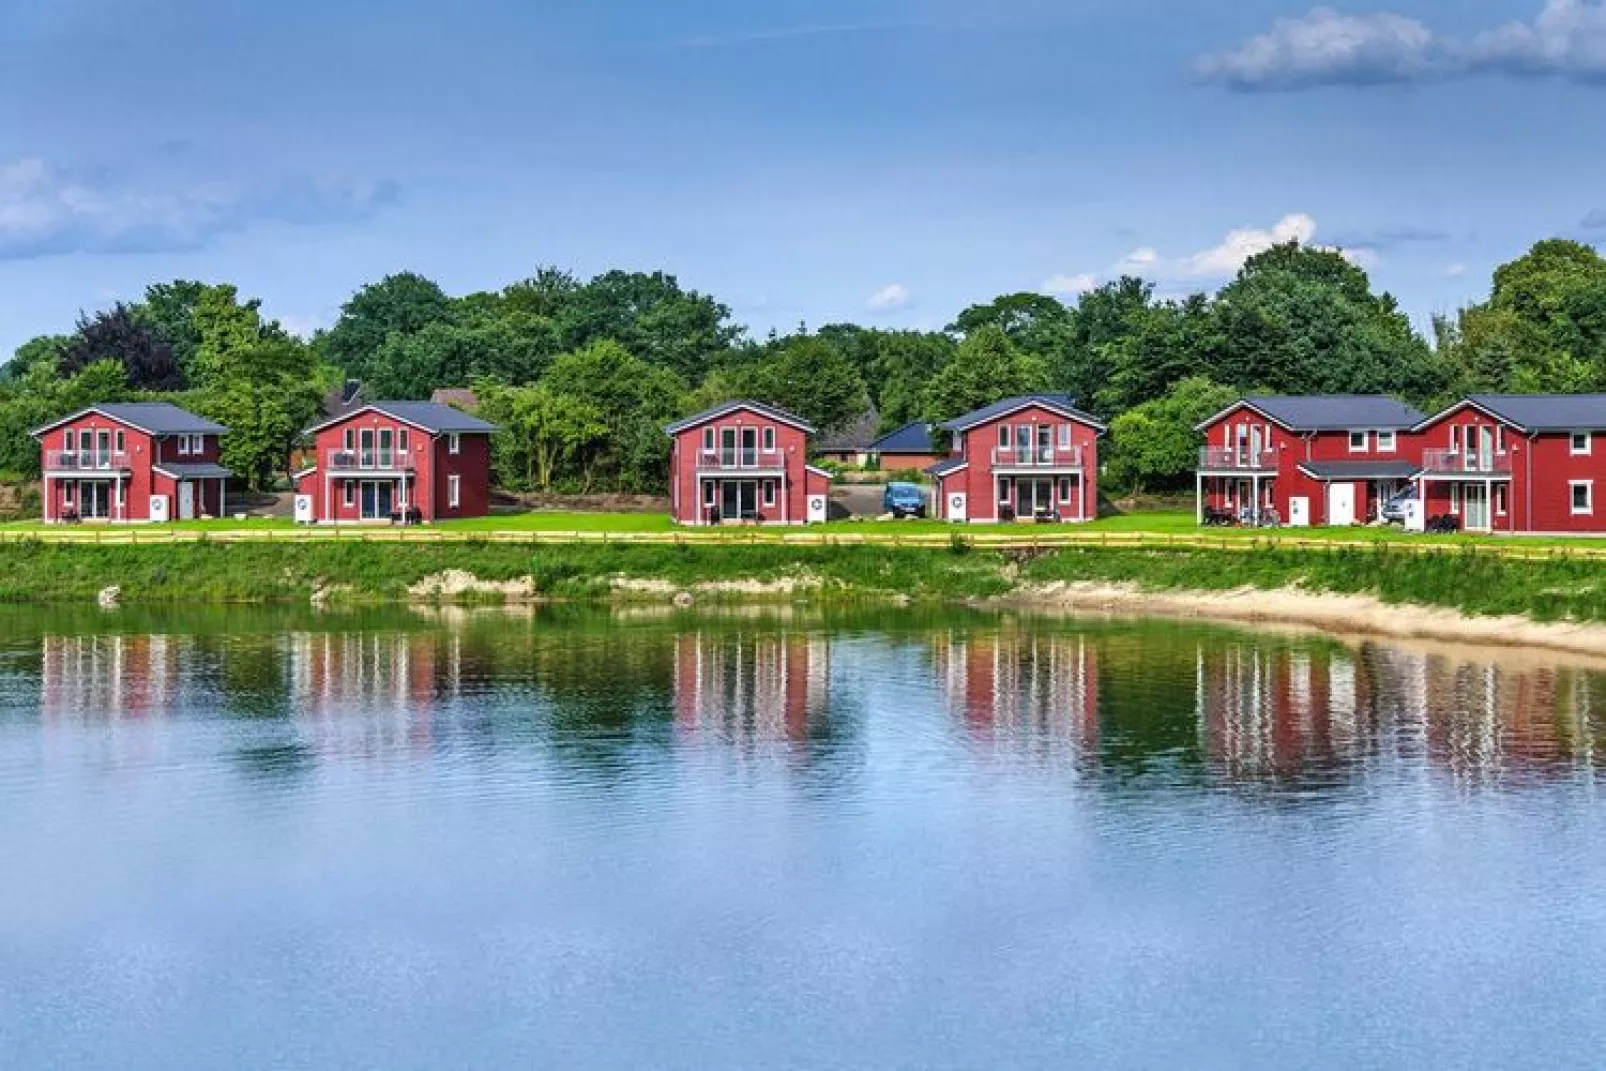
378	499
738	499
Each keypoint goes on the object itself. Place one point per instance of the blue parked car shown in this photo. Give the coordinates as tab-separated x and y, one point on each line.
904	500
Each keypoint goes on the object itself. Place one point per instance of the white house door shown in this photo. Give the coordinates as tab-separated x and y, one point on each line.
186	500
1299	512
1340	504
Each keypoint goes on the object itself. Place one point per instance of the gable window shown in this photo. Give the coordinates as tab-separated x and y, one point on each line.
349	439
1065	489
1003	436
1455	438
120	440
454	491
66	440
402	439
1385	442
1583	493
769	441
1065	436
1582	441
454	444
1357	442
708	442
349	492
769	492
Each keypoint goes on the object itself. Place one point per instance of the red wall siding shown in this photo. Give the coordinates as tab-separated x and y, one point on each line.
142	452
977	480
791	453
426	488
1509	442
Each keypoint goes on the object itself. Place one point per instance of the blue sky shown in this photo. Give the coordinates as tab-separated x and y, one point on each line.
885	161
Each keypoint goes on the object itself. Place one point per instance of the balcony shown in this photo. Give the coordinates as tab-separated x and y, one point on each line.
378	461
1465	463
739	462
1232	459
1037	457
80	461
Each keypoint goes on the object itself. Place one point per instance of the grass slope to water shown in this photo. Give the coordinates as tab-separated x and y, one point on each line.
1551	588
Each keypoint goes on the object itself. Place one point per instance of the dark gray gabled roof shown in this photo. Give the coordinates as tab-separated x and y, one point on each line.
156	418
1329	412
943	468
1360	470
1543	412
429	416
720	410
1063	404
910	439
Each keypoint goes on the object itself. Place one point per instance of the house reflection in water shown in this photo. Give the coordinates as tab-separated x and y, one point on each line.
1326	712
393	681
110	676
752	686
1011	682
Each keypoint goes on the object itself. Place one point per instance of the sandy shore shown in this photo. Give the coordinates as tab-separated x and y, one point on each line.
1342	614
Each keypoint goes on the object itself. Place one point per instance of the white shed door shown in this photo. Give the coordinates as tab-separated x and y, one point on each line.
956	507
1340	504
1299	512
817	508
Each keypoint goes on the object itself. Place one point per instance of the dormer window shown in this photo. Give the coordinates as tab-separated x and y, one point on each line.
708	440
1582	443
1386	442
1357	442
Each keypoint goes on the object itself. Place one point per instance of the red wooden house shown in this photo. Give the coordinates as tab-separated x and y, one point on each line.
745	462
1031	457
387	461
132	461
1516	462
1325	459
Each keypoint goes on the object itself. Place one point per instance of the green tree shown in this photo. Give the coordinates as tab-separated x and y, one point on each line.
258	381
1155	445
541	432
806	375
514	348
398	304
635	399
170	309
987	367
651	317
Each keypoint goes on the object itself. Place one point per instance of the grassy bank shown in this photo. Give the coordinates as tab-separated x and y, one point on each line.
1555	587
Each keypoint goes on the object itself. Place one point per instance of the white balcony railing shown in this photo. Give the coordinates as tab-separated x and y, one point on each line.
1440	462
86	461
375	460
740	460
1230	457
1037	457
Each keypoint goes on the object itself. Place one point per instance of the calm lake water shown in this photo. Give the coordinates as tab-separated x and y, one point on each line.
274	839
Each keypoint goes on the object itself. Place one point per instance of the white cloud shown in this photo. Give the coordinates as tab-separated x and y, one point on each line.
302	326
1456	271
1070	285
47	211
1566	39
1326	46
889	298
1216	263
1241	244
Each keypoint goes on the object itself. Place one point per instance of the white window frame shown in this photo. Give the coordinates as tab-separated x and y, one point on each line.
454	443
769	492
1455	499
1064	489
1500	497
1366	440
183	446
1065	436
348	440
1589	497
768	440
708	442
710	494
348	492
454	491
1006	437
1387	442
66	441
403	440
1572	443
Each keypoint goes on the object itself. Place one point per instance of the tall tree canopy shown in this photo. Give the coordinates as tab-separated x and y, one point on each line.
398	304
987	367
120	335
